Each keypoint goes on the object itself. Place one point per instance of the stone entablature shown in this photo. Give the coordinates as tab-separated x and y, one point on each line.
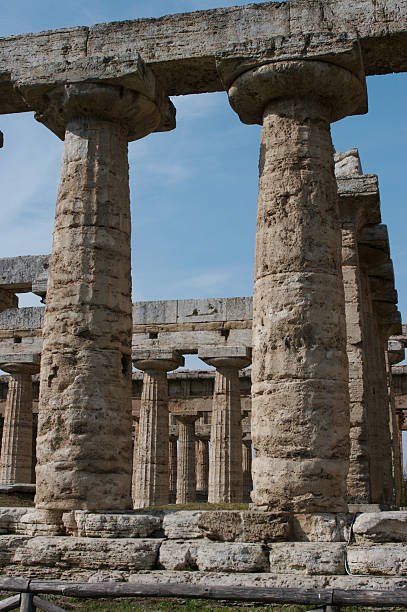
188	46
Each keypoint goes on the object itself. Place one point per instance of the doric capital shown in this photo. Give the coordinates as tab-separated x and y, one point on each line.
339	89
137	113
25	363
226	356
157	359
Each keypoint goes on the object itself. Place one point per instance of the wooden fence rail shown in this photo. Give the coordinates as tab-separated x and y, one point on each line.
325	599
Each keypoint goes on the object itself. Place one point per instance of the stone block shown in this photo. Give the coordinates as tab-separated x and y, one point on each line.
320	527
309	558
231	557
182	525
160	312
265	527
224	526
178	554
381	527
36	522
378	559
96	554
201	310
104	525
10	518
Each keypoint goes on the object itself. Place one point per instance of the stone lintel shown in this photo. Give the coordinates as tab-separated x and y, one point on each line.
23	362
226	356
347	163
20	273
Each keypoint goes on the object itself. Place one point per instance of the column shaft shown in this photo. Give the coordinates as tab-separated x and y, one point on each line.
247	469
173	463
300	412
16	448
152	476
84	426
202	466
186	479
225	451
360	396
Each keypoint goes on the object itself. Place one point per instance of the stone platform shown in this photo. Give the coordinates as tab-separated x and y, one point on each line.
222	547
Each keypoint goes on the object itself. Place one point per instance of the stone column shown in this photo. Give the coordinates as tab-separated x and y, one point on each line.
225	450
172	451
247	467
202	464
186	465
84	425
136	426
356	212
397	452
300	414
16	448
152	469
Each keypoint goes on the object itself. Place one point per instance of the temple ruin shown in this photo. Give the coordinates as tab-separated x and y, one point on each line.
301	413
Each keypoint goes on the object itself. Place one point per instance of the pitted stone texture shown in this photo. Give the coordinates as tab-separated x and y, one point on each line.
222	526
84	421
86	554
178	555
300	426
347	163
380	560
265	527
269	580
320	527
87	524
10	518
231	557
37	522
213	556
229	526
182	525
307	558
381	527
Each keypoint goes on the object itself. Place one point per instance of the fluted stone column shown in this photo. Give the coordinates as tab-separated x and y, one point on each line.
247	467
84	425
152	469
395	437
16	448
172	451
225	450
353	216
136	426
202	464
300	411
186	475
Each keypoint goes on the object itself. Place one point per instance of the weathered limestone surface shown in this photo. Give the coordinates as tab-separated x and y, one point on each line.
87	524
212	557
300	418
21	273
16	447
270	580
378	559
151	480
62	557
307	558
381	527
320	527
182	525
245	526
186	46
225	450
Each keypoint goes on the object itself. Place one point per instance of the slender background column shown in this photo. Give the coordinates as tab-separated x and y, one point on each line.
186	465
16	448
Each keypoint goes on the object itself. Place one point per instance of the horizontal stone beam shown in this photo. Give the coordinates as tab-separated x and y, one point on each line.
183	49
20	274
